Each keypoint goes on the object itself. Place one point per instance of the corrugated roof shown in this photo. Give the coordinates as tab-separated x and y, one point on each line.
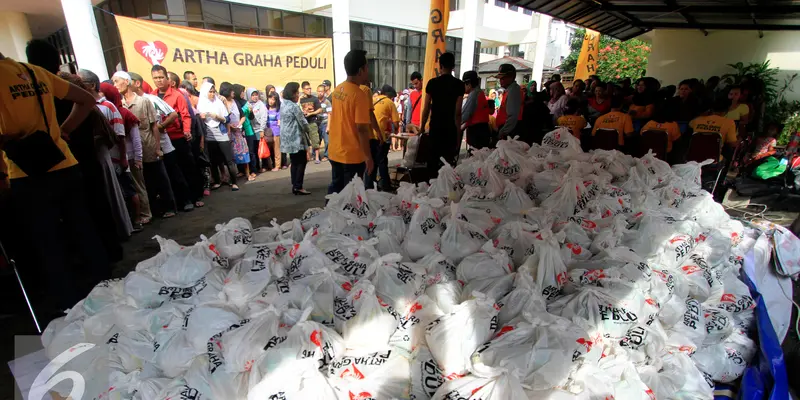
625	19
521	64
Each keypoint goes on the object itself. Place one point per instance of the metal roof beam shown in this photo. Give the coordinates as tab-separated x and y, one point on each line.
744	27
720	9
688	17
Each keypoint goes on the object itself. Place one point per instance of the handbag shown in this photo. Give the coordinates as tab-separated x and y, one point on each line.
35	154
263	149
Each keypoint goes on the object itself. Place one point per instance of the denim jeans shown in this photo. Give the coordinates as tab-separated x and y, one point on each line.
342	174
252	146
380	158
323	126
53	218
298	169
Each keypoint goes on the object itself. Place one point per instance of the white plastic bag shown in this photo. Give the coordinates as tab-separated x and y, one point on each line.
471	387
690	172
561	141
473	322
508	160
411	324
352	256
490	262
517	239
397	283
447	186
514	199
524	297
232	238
352	201
384	374
370	326
547	266
426	376
726	361
425	230
460	238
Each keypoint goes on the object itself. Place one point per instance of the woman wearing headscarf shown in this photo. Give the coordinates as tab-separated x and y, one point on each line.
214	114
643	103
241	153
294	136
259	120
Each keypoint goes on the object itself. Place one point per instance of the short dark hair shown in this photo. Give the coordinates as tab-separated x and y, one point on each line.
721	104
731	87
555	77
90	79
187	73
135	77
447	60
189	87
210	79
304	84
42	53
617	101
388	91
687	82
292	88
416	75
353	62
274	95
159	68
173	77
572	106
225	89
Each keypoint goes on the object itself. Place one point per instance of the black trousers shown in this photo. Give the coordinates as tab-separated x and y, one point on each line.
380	157
479	135
298	169
221	154
53	218
189	169
180	189
252	146
159	188
342	174
445	145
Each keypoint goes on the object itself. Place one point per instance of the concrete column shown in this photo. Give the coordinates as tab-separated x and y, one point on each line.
341	37
14	35
83	34
541	48
472	10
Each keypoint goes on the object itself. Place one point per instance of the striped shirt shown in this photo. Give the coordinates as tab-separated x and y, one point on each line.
114	118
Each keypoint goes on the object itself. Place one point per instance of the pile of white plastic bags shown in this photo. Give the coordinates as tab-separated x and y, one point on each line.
536	272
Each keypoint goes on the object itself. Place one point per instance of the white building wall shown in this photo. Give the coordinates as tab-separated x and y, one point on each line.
14	35
682	54
558	43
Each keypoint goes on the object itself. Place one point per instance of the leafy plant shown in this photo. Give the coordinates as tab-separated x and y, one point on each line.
616	59
759	73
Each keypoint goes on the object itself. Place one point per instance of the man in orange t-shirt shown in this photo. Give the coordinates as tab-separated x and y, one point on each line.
349	124
617	120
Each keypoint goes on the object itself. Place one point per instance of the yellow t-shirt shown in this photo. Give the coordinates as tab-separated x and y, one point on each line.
737	113
617	120
672	129
575	123
725	127
642	112
350	106
385	113
20	111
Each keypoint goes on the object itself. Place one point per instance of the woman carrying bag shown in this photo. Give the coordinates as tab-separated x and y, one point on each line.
294	136
215	115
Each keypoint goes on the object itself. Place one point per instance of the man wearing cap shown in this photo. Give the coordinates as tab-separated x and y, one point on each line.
443	101
475	112
509	116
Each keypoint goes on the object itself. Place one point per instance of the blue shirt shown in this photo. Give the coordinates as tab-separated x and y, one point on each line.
293	126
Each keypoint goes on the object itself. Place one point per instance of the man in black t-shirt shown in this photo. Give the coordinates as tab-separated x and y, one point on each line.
443	100
311	107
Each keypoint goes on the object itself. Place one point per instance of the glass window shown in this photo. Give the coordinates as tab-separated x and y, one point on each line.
387	72
194	11
414	39
246	31
356	30
400	36
197	25
266	32
175	8
270	19
527	12
400	77
328	27
293	22
374	73
400	52
216	13
371	49
500	3
315	25
158	9
356	45
182	23
386	51
219	27
370	32
451	44
513	8
385	34
244	16
414	54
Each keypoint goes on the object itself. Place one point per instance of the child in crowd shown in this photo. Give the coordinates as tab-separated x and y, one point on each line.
273	123
572	118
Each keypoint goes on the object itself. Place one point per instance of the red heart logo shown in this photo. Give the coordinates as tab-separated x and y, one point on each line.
154	52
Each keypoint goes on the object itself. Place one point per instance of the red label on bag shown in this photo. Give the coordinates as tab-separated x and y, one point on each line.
361	396
690	269
504	330
352	373
315	338
729	297
585	343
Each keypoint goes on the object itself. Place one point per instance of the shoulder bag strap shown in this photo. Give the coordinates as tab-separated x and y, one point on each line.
36	89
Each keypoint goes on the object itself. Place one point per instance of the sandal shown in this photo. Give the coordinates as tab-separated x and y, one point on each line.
199	204
234	188
276	169
168	214
143	221
262	170
216	186
251	178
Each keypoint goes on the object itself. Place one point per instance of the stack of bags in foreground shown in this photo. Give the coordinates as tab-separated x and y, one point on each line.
523	273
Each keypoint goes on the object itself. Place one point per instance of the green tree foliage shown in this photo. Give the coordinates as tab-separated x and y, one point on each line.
617	59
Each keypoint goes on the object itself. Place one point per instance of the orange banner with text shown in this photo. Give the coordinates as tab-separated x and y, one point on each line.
587	60
252	61
435	45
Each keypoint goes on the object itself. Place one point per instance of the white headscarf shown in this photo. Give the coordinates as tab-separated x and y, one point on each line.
216	106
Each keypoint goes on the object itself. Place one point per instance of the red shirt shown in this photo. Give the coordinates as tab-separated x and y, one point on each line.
183	124
414	96
481	114
502	115
602	108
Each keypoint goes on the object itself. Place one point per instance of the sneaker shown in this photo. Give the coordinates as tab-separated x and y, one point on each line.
188	207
